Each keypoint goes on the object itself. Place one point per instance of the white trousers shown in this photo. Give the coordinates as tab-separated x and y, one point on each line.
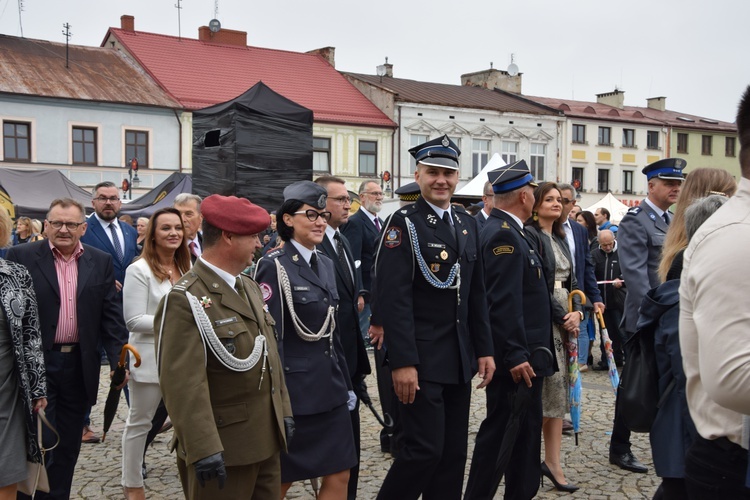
144	400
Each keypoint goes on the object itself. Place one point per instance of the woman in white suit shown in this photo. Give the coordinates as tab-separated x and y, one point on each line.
165	258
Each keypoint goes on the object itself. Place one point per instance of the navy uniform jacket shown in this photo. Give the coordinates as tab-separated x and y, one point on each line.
517	295
317	379
639	241
362	235
348	318
481	220
425	326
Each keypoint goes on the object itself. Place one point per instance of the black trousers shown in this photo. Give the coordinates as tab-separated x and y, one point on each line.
433	436
66	409
716	469
354	471
523	472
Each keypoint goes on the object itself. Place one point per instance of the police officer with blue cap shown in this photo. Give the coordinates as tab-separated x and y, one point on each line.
639	241
430	294
521	317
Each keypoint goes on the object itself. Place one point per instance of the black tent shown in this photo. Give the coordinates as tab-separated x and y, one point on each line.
32	191
252	146
161	196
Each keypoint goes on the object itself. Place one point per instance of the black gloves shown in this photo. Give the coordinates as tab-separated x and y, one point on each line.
209	468
289	428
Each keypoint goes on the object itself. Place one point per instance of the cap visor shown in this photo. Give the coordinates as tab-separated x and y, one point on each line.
439	162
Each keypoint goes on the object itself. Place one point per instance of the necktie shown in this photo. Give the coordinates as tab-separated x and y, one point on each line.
342	258
314	263
377	223
447	220
666	217
192	247
240	289
116	242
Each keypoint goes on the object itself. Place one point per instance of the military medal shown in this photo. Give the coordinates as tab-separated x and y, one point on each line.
444	255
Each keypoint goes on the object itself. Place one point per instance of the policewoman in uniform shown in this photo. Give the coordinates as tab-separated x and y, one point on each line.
430	298
219	367
299	287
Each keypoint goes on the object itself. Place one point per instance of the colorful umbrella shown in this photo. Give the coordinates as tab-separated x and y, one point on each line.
118	377
575	375
614	377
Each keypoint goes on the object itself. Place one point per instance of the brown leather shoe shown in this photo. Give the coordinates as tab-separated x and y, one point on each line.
89	436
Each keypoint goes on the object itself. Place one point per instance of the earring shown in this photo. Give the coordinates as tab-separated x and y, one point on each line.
534	216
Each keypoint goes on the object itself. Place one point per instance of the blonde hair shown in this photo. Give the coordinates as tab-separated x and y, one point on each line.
6	228
699	183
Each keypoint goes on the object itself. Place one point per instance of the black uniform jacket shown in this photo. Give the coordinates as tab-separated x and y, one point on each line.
517	295
316	376
433	329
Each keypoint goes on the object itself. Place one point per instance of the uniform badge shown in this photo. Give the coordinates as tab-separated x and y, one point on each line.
403	211
206	302
444	255
322	201
215	285
445	142
505	225
457	218
434	267
503	249
295	258
431	219
652	216
265	289
392	237
465	231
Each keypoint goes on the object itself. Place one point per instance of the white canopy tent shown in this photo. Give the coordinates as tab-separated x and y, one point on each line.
616	209
475	186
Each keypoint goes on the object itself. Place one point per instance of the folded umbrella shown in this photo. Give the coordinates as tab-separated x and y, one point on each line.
118	377
614	377
574	392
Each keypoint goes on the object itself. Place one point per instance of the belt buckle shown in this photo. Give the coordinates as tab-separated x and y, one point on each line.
67	348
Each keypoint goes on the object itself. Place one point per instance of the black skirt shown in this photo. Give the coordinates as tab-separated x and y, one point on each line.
323	444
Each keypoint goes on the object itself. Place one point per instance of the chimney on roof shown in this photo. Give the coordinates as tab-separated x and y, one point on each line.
327	53
494	79
658	103
223	36
127	23
615	99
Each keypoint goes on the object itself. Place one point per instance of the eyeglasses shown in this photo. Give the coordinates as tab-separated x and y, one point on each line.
111	199
342	200
376	194
313	215
567	201
72	226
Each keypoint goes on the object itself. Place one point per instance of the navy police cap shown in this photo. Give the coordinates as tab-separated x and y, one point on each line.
307	192
668	168
511	177
440	152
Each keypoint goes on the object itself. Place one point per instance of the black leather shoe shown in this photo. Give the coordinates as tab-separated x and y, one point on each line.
628	461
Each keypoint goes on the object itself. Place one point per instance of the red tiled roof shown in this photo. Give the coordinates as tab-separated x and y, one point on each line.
633	114
460	96
200	74
37	68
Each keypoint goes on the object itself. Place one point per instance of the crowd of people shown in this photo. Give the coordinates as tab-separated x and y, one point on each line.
252	332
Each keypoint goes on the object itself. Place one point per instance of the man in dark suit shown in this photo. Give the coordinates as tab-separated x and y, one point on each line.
430	298
362	230
521	318
189	206
108	234
78	312
351	301
583	266
488	197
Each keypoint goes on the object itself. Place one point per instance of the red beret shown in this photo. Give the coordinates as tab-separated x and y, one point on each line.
235	215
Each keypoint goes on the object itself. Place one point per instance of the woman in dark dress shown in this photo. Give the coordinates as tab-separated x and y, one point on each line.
299	287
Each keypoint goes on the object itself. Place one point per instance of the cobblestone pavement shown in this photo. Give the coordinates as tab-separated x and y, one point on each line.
98	471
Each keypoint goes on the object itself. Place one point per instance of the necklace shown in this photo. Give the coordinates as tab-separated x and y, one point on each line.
168	270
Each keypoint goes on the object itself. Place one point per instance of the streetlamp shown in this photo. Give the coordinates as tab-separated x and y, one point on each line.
135	182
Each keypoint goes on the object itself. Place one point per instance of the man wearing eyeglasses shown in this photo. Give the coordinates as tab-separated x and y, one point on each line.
78	312
107	233
362	230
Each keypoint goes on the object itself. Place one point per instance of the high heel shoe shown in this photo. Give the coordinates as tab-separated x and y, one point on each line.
568	488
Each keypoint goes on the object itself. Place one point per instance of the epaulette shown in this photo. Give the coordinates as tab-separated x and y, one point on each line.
274	253
460	209
407	210
634	211
184	283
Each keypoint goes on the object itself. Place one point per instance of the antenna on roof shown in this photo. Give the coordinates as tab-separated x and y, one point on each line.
512	67
216	9
179	21
20	21
67	35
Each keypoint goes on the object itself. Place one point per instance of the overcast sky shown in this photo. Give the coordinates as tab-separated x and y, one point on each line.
690	51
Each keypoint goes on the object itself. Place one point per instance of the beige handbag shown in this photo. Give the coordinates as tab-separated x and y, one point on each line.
36	480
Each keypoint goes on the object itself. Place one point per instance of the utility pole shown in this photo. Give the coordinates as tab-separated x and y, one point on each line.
66	32
20	19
